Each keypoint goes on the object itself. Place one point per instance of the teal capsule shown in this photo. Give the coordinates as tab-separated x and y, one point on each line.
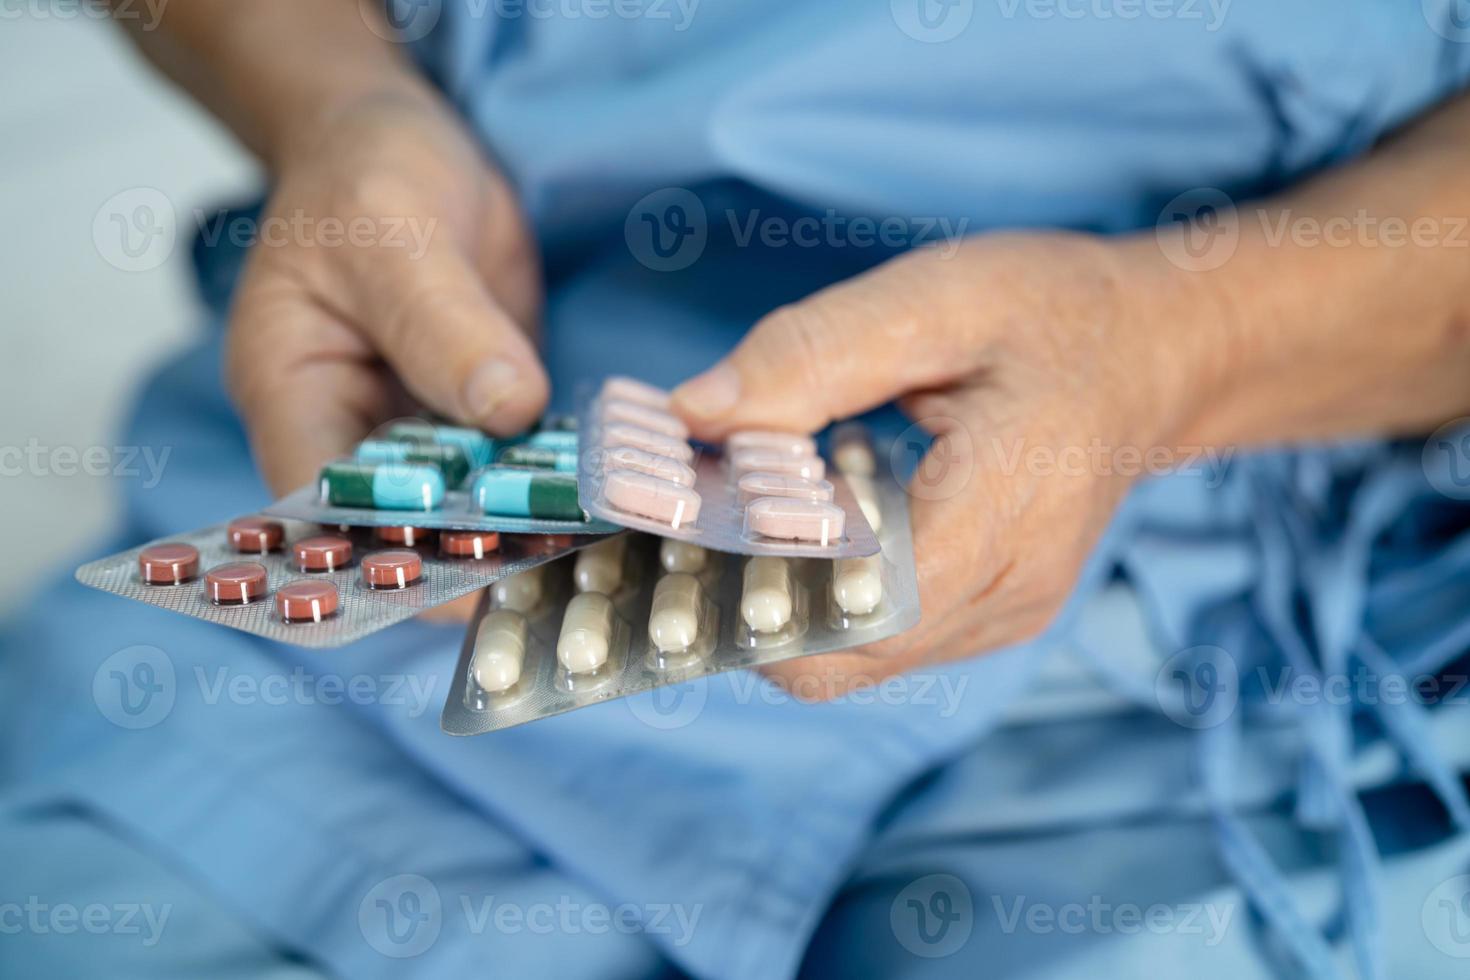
538	458
476	446
383	486
449	460
528	493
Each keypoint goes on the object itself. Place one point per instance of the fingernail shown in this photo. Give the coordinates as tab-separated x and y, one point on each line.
712	394
488	387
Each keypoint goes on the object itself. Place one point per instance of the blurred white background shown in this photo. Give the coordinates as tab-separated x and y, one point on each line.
82	119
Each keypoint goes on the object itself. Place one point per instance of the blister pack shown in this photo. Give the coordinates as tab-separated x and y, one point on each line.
638	612
445	476
766	493
298	584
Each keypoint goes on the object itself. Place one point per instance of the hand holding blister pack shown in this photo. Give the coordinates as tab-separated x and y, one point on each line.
642	611
767	493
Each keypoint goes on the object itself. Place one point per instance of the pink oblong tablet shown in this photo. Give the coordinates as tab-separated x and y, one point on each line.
632	390
622	434
785	443
644	418
765	461
636	460
795	520
658	500
754	485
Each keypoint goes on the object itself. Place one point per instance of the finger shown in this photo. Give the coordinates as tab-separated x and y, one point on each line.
453	345
963	510
841	351
303	380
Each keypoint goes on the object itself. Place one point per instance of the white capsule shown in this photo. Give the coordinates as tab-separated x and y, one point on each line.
857	584
681	556
599	567
766	596
586	633
521	592
673	622
500	650
867	500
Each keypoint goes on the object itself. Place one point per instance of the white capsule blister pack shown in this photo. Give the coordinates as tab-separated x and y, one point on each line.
299	584
640	612
767	493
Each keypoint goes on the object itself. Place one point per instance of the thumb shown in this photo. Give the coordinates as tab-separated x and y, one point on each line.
843	350
454	346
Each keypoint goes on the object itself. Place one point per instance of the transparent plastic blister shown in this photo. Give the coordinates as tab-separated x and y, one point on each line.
651	646
443	476
766	493
279	600
458	512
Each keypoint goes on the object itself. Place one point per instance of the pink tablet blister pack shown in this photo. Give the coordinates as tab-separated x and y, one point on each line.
762	493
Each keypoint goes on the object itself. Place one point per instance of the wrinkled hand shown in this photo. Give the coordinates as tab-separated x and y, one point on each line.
1021	355
393	270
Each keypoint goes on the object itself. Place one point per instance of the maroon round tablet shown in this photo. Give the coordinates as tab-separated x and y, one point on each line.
255	535
469	544
396	569
406	536
168	564
306	600
235	584
325	553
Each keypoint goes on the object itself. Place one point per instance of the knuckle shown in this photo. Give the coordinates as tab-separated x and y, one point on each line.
376	193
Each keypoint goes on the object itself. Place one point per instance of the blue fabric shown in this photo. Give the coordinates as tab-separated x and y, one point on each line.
742	810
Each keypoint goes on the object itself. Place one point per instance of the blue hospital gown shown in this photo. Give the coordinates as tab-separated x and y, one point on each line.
725	831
